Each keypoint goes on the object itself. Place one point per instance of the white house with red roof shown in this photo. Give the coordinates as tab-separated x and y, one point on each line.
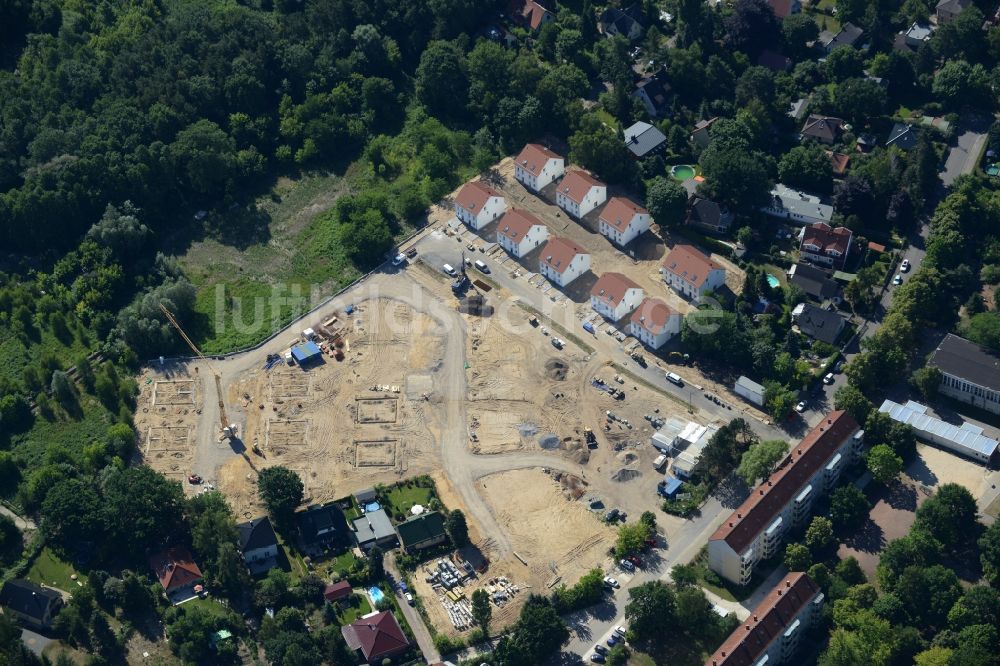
563	261
579	193
614	295
826	245
654	322
478	204
623	220
520	232
689	271
536	166
177	573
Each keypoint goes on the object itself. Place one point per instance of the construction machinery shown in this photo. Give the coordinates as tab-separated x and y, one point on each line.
228	429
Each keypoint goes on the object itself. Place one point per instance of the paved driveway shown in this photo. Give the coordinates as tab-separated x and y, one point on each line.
963	156
35	642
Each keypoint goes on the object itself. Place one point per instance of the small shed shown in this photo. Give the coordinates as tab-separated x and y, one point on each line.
306	353
750	390
338	590
670	486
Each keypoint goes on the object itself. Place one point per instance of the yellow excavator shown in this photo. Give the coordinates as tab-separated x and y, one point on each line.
228	429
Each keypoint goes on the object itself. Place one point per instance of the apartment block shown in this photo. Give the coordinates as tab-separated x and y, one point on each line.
755	531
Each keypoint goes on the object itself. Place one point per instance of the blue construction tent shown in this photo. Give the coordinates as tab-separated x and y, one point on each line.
669	487
306	353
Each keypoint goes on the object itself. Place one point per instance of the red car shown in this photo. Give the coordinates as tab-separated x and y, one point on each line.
194	478
651	543
634	560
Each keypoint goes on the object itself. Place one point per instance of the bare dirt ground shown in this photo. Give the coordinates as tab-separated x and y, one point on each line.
169	406
935	466
554	533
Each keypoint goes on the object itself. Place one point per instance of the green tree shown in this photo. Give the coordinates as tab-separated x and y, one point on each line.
760	459
884	464
989	553
859	99
600	149
778	400
190	628
934	656
72	514
651	610
206	157
881	429
666	201
928	593
918	548
819	534
797	557
736	176
684	575
441	79
631	538
457	528
482	612
376	563
808	167
799	29
950	516
926	380
537	634
848	508
142	509
984	329
281	490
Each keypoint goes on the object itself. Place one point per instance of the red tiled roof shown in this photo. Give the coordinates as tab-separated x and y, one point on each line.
375	636
690	263
516	223
769	620
474	195
337	590
839	162
611	288
876	247
825	237
771	496
782	8
528	12
533	157
620	211
653	315
175	568
577	183
559	252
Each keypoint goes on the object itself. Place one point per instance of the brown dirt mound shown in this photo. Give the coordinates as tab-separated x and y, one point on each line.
625	474
556	369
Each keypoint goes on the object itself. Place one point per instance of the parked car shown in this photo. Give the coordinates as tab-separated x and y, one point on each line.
801	406
898	279
612	640
194	479
600	649
399	260
634	559
626	565
449	269
905	266
481	266
674	378
828	378
412	252
409	598
621	630
611	582
557	343
597	658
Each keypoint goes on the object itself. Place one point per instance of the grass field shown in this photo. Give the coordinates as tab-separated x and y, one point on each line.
352	613
342	563
400	499
48	569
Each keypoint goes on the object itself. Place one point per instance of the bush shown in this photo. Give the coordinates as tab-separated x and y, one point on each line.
446	645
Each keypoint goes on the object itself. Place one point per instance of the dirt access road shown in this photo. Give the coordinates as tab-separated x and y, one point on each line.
462	467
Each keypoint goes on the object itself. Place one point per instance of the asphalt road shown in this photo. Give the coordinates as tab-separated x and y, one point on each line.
963	157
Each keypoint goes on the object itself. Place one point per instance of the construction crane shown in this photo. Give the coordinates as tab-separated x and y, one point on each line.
228	429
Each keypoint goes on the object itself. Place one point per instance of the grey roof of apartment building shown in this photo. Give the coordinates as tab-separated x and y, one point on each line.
963	358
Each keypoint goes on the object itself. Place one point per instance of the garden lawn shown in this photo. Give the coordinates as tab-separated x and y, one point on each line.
401	498
342	563
50	570
352	613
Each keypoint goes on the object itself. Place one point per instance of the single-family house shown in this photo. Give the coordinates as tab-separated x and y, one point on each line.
320	524
700	133
913	37
947	10
625	22
579	193
374	529
774	61
903	136
785	8
337	591
177	573
536	166
691	273
709	216
520	232
866	142
797	109
826	245
654	93
789	204
970	373
30	604
818	323
643	140
422	531
816	282
529	14
838	162
258	544
825	129
849	35
615	295
375	637
563	261
478	204
654	322
623	220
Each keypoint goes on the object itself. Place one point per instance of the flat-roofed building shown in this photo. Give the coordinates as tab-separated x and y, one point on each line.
969	373
966	439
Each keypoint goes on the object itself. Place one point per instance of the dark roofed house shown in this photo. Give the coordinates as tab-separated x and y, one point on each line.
970	372
258	544
773	632
903	136
816	282
848	36
654	93
376	636
818	323
337	591
947	10
701	132
709	216
177	573
422	531
642	140
32	605
825	129
625	22
320	524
